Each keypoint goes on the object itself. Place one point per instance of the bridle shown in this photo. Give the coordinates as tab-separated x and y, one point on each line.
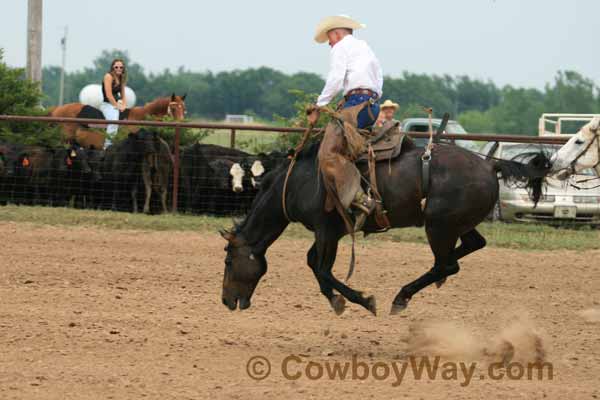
596	133
170	108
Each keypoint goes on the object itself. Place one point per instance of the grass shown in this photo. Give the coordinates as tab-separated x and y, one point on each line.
515	236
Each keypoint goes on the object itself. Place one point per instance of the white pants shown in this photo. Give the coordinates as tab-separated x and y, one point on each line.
111	113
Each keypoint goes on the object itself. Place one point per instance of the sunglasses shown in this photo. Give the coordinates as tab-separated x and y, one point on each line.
118	67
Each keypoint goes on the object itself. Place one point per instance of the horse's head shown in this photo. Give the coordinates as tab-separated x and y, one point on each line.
176	108
580	152
243	271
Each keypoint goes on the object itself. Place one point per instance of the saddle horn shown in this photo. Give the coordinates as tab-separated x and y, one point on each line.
441	128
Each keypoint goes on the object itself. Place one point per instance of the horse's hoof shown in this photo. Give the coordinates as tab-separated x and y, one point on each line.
338	303
398	306
372	305
440	283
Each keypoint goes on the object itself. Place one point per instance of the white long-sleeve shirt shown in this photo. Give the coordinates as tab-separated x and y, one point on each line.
353	66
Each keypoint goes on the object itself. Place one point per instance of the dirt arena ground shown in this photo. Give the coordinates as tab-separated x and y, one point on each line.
89	313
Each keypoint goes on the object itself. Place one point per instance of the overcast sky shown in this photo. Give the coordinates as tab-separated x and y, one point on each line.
517	42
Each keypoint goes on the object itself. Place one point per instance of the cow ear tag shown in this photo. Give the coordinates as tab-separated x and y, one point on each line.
73	154
69	162
25	162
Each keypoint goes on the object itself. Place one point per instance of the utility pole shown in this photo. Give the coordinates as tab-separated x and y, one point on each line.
34	40
63	45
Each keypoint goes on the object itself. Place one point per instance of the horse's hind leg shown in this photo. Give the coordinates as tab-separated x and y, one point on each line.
442	244
469	243
148	190
337	301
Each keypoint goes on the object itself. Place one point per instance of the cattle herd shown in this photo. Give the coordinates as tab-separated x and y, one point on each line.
138	170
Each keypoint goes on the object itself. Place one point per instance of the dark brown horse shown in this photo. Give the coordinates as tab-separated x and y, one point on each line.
173	106
463	190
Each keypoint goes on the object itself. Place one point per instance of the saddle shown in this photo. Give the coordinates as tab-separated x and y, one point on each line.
386	144
90	112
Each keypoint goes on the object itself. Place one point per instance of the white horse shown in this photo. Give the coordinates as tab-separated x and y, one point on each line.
582	151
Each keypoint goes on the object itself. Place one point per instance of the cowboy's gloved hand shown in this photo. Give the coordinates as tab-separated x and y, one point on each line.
313	114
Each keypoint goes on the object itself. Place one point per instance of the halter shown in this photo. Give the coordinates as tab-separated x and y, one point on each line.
596	134
169	111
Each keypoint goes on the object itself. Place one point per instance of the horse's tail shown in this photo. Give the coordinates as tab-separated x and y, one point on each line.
530	175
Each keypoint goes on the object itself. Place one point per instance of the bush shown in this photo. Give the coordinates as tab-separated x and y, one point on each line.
299	119
187	136
20	96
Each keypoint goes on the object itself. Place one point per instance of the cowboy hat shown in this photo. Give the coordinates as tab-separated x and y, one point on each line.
389	103
333	22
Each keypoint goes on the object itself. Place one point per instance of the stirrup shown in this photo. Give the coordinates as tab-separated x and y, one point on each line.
360	221
365	207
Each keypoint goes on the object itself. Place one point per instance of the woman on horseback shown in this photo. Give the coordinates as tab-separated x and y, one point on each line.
113	93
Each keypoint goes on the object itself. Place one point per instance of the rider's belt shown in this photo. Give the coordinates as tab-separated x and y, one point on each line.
361	91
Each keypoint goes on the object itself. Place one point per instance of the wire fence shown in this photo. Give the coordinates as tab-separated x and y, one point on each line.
144	173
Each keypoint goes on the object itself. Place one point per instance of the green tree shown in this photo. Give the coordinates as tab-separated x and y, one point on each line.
476	121
571	93
474	95
518	111
266	92
17	94
21	96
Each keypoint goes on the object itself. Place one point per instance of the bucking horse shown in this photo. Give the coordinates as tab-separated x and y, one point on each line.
462	190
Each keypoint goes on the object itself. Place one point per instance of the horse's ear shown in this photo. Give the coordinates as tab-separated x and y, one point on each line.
227	235
173	97
183	97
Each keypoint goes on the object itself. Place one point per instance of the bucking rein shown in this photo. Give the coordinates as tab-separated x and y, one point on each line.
380	216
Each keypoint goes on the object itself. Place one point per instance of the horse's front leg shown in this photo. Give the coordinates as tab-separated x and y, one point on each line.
337	301
327	246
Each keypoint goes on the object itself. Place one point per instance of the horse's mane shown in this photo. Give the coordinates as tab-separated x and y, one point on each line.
307	153
161	101
310	151
265	186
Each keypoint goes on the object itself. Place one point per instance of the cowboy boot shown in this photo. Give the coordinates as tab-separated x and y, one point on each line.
365	205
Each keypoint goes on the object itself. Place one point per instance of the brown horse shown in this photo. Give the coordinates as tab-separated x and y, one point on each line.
173	106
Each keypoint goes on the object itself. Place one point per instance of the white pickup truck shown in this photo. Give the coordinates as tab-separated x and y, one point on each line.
422	125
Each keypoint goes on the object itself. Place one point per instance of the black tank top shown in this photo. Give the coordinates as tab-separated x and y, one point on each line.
116	92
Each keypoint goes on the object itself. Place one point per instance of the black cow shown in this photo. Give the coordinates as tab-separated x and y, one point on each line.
263	163
73	176
10	185
212	178
31	174
222	180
